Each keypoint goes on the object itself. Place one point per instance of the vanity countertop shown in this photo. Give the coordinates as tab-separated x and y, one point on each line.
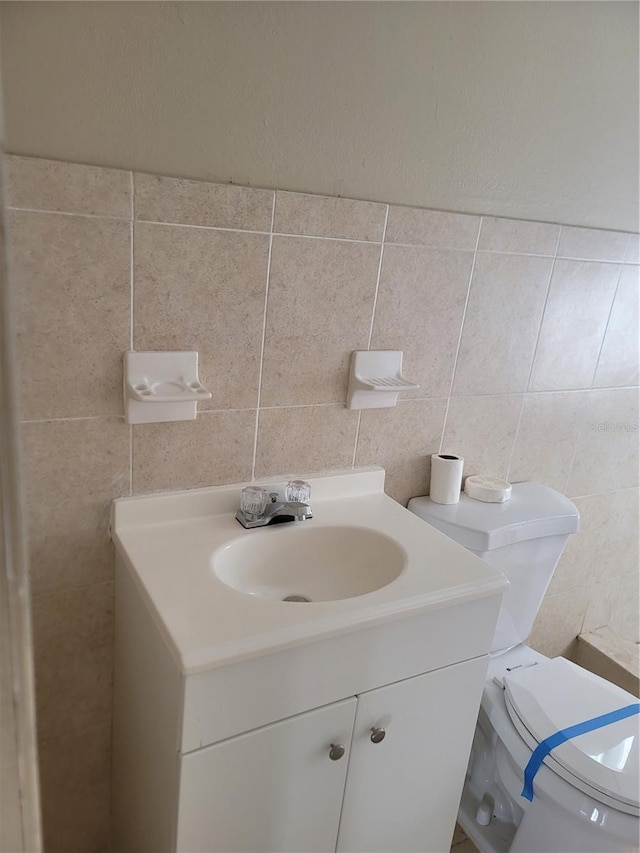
169	543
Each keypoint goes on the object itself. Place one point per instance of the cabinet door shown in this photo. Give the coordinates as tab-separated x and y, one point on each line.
273	789
403	792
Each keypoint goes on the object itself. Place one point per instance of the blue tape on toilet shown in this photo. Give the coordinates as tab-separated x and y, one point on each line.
544	747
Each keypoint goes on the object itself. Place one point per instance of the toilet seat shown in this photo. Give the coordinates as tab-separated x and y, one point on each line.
556	694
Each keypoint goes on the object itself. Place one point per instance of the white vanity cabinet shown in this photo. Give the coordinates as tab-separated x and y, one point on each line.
402	792
282	787
275	789
226	705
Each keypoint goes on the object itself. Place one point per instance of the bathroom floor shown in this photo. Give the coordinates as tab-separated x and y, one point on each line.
461	843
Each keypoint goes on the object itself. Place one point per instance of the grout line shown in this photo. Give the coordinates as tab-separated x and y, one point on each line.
332	239
131	265
444	424
252	231
203	227
466	304
408	400
517	254
71	213
403	402
434	246
608	492
222	411
533	358
355	444
304	406
588	260
74	418
263	341
255	446
130	460
371	326
573	459
375	295
606	328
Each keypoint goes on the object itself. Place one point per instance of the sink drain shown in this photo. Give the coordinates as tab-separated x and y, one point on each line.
296	598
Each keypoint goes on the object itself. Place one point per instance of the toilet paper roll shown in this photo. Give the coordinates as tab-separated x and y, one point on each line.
446	478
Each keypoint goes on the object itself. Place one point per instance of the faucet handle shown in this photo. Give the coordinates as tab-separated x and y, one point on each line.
253	502
298	491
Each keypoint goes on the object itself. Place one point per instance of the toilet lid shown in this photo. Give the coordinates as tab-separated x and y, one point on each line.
556	694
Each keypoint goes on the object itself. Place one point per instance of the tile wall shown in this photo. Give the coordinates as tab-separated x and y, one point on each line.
522	335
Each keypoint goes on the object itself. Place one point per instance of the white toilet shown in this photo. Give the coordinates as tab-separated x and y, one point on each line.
585	796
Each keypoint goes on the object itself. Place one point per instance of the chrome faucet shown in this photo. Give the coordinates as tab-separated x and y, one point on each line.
256	510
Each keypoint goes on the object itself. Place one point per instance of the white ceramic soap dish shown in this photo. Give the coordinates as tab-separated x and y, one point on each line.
375	379
162	386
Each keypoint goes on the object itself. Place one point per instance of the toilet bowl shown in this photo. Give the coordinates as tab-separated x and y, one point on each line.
585	800
584	796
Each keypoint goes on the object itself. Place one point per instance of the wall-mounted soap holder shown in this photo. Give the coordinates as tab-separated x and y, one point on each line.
162	386
375	379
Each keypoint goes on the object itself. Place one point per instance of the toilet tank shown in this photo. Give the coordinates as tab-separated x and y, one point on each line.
523	538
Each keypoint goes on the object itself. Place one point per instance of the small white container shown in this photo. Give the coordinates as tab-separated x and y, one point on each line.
491	490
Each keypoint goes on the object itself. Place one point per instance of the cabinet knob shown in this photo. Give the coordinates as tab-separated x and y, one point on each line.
336	751
377	735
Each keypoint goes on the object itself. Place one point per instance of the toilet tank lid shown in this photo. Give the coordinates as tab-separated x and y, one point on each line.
533	511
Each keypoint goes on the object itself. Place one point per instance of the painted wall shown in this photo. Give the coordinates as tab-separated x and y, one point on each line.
528	110
523	337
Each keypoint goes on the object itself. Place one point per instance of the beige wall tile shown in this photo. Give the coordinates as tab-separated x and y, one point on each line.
73	471
622	556
573	326
606	546
482	430
614	603
159	199
501	324
402	440
419	310
548	434
51	185
71	279
215	448
433	228
204	290
321	216
592	245
68	619
606	456
305	440
515	235
559	622
73	655
633	250
319	309
75	780
619	357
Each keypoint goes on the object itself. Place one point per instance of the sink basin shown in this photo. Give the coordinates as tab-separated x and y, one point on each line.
300	563
217	590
